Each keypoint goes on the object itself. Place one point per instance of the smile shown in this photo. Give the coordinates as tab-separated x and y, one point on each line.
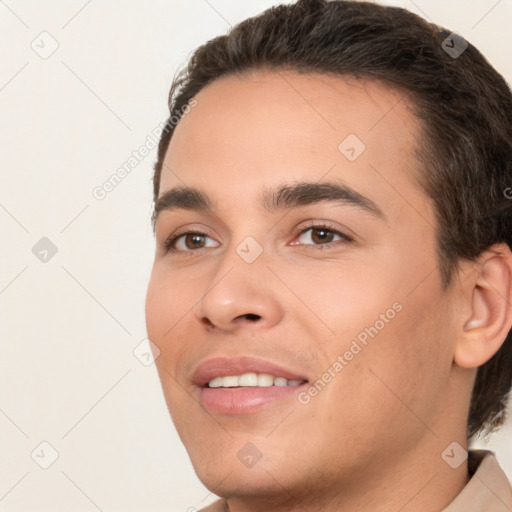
262	380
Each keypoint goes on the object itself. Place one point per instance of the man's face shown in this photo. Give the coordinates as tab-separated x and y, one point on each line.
372	302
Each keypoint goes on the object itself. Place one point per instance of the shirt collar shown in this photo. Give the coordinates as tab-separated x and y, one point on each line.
488	489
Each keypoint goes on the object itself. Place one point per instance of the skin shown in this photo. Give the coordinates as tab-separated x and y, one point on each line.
372	439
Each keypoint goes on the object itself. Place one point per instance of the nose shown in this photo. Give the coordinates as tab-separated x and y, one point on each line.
240	294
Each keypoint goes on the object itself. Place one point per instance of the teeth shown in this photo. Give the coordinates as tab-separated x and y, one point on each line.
216	382
262	380
229	382
265	380
247	379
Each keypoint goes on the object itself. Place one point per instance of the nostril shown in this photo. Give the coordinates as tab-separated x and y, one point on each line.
207	322
251	316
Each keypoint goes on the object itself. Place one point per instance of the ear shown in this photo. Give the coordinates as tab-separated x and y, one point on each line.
489	293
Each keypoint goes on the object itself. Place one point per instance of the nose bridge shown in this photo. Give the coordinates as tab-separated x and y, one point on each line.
240	288
248	249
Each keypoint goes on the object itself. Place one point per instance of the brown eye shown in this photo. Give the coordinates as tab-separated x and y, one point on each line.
323	236
194	240
186	242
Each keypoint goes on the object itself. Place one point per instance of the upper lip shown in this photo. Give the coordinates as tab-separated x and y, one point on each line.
222	366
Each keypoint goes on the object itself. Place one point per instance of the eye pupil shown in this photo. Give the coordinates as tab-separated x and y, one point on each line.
324	234
197	239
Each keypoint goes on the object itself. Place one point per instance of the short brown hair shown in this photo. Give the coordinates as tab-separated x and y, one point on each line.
464	106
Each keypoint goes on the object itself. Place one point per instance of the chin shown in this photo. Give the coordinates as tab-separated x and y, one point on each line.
233	481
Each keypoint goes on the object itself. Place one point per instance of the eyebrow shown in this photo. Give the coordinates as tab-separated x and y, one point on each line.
272	200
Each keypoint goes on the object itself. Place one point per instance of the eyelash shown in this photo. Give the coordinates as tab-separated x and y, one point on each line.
168	244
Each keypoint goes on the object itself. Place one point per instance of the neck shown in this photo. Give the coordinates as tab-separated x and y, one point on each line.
419	481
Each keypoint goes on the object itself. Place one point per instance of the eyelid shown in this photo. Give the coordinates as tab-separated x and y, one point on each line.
170	241
328	226
173	237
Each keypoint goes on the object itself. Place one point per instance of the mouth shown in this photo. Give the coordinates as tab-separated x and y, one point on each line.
252	380
244	385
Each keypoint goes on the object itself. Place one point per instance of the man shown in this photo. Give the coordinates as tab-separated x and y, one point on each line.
331	293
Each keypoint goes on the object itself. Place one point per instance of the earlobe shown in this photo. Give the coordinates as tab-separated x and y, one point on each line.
490	320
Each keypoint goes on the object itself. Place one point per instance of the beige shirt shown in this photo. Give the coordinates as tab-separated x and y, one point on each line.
488	489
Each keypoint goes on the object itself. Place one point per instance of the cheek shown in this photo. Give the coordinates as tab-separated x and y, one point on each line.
158	303
407	365
163	309
168	299
349	298
398	369
165	306
344	291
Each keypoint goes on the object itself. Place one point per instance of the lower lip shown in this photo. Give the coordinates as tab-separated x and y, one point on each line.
244	400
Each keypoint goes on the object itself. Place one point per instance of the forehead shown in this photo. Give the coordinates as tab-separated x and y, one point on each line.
249	132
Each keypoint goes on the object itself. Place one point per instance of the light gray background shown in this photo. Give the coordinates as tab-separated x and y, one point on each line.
69	325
